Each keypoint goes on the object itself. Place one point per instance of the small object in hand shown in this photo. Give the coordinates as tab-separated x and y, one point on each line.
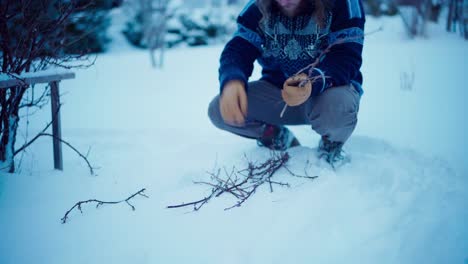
303	83
299	83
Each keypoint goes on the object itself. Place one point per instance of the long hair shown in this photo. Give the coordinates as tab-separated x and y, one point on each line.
319	7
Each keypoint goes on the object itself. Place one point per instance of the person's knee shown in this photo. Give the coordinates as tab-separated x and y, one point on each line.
335	108
336	123
214	113
333	119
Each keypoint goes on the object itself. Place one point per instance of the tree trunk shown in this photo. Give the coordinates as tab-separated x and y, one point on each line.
450	15
434	12
7	146
9	126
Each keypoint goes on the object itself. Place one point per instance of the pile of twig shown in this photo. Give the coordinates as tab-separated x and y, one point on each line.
243	183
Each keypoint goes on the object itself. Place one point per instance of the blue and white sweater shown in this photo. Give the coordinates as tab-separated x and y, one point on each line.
283	46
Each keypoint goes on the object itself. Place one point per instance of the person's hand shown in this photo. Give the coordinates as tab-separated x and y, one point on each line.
296	89
233	103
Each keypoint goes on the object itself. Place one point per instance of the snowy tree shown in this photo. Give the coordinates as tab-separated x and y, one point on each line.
147	28
154	27
32	38
458	17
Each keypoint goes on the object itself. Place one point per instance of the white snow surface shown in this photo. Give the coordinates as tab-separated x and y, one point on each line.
402	199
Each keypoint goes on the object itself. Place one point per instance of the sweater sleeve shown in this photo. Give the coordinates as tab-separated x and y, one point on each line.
239	54
341	64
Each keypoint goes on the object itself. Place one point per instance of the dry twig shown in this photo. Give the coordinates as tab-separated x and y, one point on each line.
85	158
311	67
99	202
243	184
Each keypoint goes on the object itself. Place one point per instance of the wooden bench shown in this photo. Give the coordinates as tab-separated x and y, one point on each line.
53	79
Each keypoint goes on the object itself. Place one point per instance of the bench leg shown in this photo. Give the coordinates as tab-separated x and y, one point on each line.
56	125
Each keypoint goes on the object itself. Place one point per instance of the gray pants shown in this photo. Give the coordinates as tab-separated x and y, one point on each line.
332	114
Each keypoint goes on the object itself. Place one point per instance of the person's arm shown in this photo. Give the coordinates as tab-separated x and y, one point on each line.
341	64
239	54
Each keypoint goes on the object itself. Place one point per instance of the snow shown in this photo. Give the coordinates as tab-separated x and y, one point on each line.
52	71
403	199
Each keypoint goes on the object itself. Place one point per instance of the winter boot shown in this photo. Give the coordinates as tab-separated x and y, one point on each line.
332	152
277	138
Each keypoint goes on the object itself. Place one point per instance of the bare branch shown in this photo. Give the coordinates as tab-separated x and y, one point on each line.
300	176
244	183
39	102
85	158
99	203
319	58
38	135
328	48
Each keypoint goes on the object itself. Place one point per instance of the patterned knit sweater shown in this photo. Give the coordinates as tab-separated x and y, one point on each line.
283	46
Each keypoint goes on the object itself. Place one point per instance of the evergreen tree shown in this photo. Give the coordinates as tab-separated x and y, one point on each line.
87	30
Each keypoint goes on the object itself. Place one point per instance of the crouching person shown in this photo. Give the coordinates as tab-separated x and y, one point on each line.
285	37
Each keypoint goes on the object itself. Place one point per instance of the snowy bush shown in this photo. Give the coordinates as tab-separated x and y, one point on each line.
94	42
134	31
87	30
192	27
380	7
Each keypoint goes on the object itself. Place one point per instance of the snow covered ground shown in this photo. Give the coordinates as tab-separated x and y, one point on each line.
403	199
